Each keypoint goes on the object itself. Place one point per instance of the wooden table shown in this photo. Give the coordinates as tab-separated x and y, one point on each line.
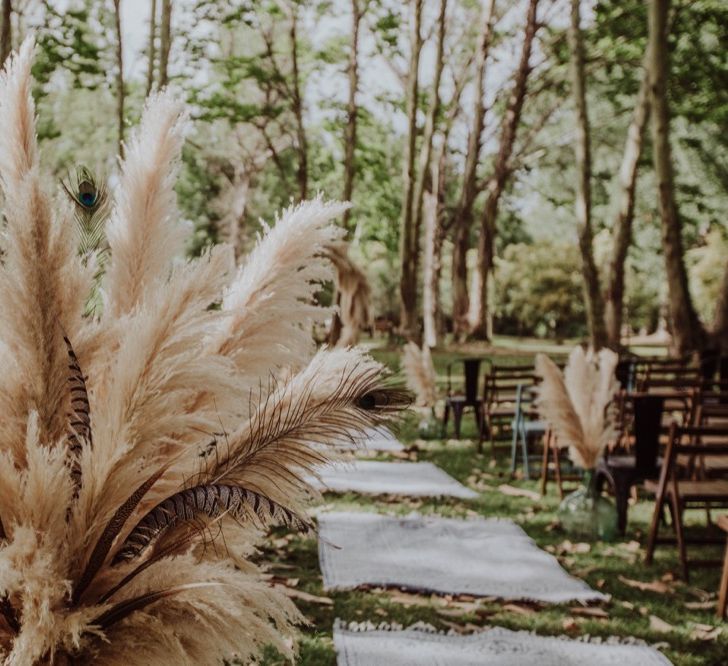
723	591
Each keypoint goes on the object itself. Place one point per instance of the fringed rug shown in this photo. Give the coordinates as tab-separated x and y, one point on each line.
479	557
421	645
421	479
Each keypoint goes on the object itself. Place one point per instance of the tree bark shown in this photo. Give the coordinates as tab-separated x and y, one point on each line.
408	274
297	105
688	333
479	316
423	173
582	151
623	212
6	32
357	11
165	42
464	212
152	46
720	321
120	92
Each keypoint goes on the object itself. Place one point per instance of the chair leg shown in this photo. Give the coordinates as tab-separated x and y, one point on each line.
679	535
457	415
654	529
524	446
545	463
723	590
445	417
557	470
514	450
480	418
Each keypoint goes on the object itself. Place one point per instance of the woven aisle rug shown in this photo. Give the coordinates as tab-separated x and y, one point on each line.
480	557
422	646
422	479
379	439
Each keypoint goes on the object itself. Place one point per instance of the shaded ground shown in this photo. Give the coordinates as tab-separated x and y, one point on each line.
676	616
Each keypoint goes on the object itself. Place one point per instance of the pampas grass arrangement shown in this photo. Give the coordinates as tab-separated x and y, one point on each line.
419	373
142	449
579	405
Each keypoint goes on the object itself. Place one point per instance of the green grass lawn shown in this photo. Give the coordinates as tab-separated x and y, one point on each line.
678	617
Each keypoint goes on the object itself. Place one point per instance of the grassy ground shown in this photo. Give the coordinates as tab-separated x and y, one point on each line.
677	617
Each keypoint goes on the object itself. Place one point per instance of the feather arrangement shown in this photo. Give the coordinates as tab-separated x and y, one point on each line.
579	405
143	449
419	373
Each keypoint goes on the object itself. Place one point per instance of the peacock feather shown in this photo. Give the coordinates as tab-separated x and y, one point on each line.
91	200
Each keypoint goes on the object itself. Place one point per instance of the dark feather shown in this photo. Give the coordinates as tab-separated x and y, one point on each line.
91	200
125	608
111	531
10	614
211	501
79	425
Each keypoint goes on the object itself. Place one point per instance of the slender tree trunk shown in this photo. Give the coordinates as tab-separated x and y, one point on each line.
433	112
582	149
120	92
297	102
464	213
623	211
687	331
479	319
408	274
352	110
6	31
432	264
152	46
720	321
165	42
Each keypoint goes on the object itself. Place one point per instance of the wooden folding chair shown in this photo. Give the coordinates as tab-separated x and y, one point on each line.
681	489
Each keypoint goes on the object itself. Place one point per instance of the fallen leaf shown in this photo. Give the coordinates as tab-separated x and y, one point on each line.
512	491
705	632
700	605
580	548
521	610
589	611
659	625
570	625
657	586
304	596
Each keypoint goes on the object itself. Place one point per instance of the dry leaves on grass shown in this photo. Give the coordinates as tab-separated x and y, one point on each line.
300	595
660	626
589	611
512	491
657	586
704	632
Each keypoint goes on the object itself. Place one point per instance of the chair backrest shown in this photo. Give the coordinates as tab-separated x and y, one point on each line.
691	441
647	420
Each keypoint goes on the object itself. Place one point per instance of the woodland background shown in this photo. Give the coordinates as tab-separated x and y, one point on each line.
500	155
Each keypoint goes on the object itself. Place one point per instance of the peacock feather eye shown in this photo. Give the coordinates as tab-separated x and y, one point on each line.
88	194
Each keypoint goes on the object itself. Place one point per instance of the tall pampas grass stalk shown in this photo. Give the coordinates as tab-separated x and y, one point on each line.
579	404
144	448
419	373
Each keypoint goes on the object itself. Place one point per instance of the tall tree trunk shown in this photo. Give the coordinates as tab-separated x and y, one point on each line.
720	321
357	12
687	331
582	150
297	103
479	316
152	46
464	212
165	42
434	240
423	173
408	274
6	31
120	92
623	211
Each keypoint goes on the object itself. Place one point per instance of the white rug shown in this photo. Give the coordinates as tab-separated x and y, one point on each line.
480	557
417	646
422	479
379	439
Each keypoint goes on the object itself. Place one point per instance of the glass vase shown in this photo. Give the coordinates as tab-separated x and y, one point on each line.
586	515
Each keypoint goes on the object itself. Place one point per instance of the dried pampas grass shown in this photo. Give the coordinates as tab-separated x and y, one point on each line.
419	373
579	405
143	449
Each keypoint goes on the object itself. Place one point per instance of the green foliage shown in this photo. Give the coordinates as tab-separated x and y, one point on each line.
539	290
